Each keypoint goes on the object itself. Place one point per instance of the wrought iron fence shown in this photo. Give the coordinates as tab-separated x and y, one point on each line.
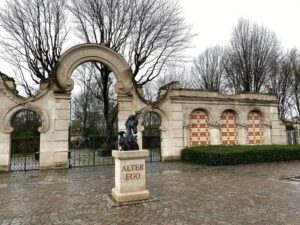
89	153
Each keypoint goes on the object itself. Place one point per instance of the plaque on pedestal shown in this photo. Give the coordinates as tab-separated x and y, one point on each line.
130	176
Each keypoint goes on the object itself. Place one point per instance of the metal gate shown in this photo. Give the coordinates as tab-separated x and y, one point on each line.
151	136
24	154
154	156
25	141
85	153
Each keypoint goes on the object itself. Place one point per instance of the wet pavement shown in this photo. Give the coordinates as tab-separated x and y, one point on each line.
183	193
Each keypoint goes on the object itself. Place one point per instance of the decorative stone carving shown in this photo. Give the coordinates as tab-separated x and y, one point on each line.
8	115
93	52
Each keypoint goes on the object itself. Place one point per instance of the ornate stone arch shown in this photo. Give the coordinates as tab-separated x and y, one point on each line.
11	112
164	125
93	52
261	112
240	118
229	126
191	109
199	128
255	126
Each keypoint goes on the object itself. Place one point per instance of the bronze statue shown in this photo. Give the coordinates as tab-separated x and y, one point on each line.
128	140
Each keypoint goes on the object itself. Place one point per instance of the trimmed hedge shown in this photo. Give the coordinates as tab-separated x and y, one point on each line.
240	154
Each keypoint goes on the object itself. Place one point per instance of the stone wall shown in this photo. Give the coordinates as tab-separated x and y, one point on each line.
239	119
52	108
188	117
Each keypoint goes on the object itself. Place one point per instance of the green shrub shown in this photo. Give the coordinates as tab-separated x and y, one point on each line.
240	154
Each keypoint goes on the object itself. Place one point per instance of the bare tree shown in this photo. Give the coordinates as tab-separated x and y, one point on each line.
87	76
294	57
251	58
159	38
35	31
208	69
281	85
173	74
149	34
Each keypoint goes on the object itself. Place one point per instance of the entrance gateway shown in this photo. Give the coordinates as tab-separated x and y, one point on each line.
185	115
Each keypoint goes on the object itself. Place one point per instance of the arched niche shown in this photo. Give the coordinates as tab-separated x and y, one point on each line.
228	127
82	53
239	117
199	128
190	109
262	113
255	130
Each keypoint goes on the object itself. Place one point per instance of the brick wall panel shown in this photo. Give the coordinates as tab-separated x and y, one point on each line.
255	134
199	129
228	129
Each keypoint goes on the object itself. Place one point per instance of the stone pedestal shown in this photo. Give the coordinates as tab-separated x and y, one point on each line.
130	176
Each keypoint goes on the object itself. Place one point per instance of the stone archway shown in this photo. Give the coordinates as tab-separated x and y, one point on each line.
164	127
64	84
25	141
228	128
82	53
7	129
9	114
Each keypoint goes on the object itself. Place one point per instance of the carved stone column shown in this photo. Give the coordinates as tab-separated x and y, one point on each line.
5	146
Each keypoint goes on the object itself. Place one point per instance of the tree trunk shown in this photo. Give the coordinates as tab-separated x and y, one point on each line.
109	141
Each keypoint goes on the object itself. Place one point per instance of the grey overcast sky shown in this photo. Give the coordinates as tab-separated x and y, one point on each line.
213	21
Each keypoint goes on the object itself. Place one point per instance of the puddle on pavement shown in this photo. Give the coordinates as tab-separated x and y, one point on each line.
295	179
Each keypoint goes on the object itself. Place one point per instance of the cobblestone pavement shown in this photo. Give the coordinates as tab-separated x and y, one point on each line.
185	194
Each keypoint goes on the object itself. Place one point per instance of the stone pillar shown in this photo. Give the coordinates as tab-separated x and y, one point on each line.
186	136
130	176
278	133
267	134
242	134
5	146
140	130
215	138
164	144
54	146
62	131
